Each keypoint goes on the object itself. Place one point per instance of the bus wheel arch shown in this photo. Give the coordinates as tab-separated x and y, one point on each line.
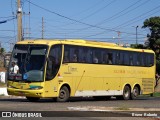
135	92
64	93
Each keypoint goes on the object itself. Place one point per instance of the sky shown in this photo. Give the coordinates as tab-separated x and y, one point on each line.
113	21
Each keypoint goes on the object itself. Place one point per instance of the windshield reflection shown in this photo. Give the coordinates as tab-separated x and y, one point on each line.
27	63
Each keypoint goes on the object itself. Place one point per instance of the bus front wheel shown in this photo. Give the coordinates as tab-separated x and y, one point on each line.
63	94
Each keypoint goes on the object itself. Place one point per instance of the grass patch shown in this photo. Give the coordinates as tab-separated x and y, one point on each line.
156	94
2	95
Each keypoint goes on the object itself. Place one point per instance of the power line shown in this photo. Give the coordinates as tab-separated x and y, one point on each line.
7	30
120	15
139	17
74	19
93	6
7	17
7	36
114	16
100	9
127	23
111	18
120	12
95	12
4	21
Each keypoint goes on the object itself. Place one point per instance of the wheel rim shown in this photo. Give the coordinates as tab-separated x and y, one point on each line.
126	93
135	92
62	94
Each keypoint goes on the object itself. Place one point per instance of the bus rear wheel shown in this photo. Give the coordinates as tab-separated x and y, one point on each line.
33	99
135	93
63	94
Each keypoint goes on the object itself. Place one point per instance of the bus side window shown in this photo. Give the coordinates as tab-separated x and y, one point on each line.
82	55
75	57
143	60
138	59
107	58
126	58
121	58
87	55
110	58
66	59
135	55
66	54
150	58
118	59
130	59
95	60
94	55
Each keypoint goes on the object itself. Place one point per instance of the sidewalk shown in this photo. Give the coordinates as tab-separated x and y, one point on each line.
3	91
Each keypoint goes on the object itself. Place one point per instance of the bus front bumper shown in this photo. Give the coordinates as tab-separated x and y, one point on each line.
27	93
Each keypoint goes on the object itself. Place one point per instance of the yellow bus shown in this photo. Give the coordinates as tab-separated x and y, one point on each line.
61	69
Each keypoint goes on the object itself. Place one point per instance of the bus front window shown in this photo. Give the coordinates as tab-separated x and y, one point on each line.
27	63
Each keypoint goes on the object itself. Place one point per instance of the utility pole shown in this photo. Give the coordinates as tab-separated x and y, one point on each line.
11	46
42	28
119	33
19	20
26	28
136	35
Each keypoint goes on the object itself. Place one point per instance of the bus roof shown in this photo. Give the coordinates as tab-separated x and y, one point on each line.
81	43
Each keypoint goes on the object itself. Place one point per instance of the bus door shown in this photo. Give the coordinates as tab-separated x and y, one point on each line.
53	65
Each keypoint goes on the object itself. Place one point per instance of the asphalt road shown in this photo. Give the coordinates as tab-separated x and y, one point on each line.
79	108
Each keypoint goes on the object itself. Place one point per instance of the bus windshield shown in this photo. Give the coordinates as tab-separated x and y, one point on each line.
27	63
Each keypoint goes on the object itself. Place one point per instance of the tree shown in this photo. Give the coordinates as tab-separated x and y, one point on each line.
2	50
153	41
138	46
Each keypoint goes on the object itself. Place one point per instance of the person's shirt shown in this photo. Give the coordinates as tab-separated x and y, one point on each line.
95	60
14	69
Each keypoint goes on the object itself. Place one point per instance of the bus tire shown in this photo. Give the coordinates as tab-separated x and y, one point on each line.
151	94
33	99
126	94
63	94
135	93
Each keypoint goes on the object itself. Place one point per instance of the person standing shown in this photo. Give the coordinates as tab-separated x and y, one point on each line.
14	69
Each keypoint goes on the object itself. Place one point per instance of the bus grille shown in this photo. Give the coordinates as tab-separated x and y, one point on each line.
148	85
